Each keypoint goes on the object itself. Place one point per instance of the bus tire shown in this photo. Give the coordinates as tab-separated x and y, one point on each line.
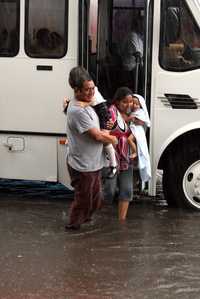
185	178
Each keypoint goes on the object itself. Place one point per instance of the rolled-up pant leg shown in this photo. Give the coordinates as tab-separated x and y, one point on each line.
87	195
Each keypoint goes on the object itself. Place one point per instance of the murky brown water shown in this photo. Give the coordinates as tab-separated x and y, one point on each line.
154	255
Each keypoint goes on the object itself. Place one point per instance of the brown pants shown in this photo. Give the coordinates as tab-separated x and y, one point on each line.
87	195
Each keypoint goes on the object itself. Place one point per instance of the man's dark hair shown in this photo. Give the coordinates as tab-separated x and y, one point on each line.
77	76
121	93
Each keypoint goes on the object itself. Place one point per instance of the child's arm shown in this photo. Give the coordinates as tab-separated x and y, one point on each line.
130	118
139	122
131	137
127	118
132	142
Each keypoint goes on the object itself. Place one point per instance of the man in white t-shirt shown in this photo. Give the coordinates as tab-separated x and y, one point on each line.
85	156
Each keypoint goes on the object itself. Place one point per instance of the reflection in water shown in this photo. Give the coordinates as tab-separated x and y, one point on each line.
155	254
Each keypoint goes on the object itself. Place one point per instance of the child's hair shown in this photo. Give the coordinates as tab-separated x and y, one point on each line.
121	93
77	76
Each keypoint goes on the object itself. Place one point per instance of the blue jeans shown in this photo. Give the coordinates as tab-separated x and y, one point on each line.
120	186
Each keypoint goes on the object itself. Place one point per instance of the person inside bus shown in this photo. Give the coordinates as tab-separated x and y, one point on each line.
132	53
122	183
190	36
100	107
172	24
180	38
85	156
43	41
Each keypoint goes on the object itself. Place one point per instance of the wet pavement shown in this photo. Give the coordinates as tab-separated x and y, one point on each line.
155	254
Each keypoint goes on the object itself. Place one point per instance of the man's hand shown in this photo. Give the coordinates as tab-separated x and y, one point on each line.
106	134
102	136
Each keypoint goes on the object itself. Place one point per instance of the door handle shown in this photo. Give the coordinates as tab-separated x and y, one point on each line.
44	68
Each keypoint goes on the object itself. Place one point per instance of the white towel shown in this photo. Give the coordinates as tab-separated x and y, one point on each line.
139	132
143	112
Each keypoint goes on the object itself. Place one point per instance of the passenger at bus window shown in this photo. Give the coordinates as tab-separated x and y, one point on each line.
176	55
172	25
121	184
101	109
85	157
176	48
191	39
181	55
43	40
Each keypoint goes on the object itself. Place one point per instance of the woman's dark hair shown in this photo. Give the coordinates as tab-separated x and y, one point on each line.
77	76
121	93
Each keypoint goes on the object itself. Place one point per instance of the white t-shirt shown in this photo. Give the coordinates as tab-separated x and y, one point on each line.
85	154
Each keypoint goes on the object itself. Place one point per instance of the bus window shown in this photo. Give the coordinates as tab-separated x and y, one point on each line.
9	27
180	38
46	28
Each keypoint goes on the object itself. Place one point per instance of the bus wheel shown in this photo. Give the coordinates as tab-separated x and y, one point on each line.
191	185
185	182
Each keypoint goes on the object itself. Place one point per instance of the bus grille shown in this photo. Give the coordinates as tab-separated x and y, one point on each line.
180	101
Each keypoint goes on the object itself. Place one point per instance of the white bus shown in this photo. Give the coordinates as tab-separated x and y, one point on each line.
40	41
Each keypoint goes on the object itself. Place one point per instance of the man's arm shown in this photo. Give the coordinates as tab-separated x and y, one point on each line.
102	136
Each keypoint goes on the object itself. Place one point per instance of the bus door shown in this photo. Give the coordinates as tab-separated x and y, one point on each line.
117	55
175	97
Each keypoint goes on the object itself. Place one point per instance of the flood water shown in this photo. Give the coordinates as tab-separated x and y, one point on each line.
155	254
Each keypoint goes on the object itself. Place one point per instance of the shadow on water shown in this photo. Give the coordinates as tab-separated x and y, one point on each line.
155	254
33	189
